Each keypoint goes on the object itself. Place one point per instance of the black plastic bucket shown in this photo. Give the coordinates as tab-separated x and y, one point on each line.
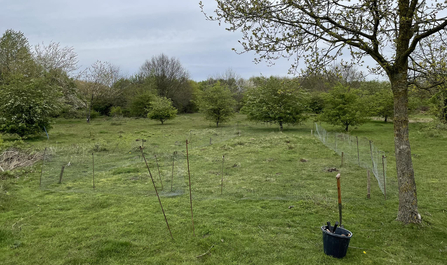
336	244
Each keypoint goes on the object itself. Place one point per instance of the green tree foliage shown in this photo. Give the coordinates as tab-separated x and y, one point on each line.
377	98
116	111
217	103
382	102
192	105
162	110
28	94
324	79
438	103
26	104
316	103
15	55
140	104
137	93
235	83
277	101
343	107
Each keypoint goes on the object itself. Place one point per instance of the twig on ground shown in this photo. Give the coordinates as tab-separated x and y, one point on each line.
206	253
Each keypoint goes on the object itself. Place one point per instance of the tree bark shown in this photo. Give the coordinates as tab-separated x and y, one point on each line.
408	208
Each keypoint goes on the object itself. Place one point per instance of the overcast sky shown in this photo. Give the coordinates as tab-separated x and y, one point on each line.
126	33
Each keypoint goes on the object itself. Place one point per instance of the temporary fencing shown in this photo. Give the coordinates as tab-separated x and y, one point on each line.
356	150
119	168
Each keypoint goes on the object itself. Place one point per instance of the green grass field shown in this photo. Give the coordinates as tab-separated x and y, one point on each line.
270	211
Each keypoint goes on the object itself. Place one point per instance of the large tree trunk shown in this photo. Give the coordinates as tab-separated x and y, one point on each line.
408	207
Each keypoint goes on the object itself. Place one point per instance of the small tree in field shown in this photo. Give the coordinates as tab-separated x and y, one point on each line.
384	105
343	107
278	101
217	103
162	110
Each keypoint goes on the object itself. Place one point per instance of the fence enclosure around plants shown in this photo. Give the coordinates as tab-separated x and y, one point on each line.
232	166
356	150
119	168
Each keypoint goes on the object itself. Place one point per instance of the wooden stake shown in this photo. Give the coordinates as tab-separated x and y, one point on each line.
156	192
339	196
93	162
221	183
342	159
173	161
62	173
384	178
210	141
190	194
41	169
368	186
159	174
311	132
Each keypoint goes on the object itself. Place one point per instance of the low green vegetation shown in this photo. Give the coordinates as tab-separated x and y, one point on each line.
277	192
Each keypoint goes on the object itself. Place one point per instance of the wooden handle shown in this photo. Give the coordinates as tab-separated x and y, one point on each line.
338	188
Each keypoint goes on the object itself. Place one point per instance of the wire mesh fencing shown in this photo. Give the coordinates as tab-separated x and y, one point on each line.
205	137
121	172
356	150
119	167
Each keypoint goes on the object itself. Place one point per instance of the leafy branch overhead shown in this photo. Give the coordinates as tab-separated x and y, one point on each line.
290	28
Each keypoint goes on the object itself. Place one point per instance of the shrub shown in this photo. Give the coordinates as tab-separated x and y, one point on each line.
116	112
